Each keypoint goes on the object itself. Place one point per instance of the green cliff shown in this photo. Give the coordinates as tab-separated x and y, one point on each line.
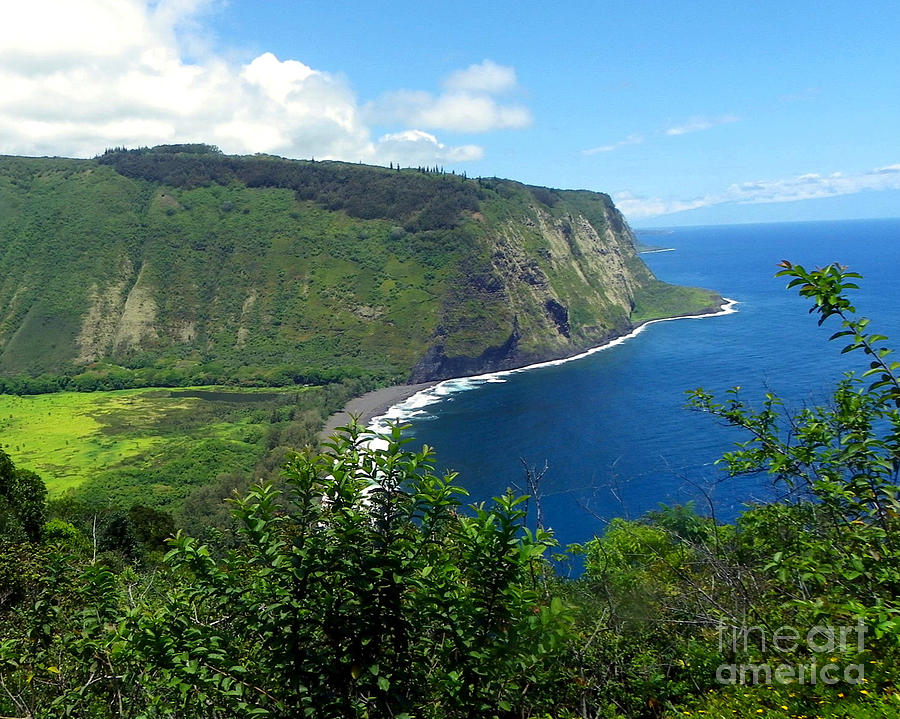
183	263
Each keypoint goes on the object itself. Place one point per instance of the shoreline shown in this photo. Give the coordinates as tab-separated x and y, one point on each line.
377	404
372	404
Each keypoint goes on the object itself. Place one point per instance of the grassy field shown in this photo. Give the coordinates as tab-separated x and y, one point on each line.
73	438
663	300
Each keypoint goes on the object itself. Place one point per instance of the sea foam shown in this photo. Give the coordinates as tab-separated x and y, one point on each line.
415	406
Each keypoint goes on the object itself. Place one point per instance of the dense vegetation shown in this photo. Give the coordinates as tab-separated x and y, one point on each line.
179	450
181	266
419	200
358	586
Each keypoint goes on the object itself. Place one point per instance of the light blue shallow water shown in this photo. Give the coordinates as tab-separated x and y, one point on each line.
612	427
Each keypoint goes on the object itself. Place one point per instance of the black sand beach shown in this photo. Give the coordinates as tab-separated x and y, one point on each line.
372	404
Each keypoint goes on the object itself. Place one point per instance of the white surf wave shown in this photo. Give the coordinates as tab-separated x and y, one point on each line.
414	406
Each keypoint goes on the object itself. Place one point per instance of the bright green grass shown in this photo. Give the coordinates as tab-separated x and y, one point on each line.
659	300
71	437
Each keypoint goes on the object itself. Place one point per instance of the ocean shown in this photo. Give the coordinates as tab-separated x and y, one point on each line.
612	429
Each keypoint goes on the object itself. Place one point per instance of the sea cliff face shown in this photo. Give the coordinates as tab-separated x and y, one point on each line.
554	278
184	261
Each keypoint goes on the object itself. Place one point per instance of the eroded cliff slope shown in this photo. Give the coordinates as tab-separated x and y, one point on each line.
180	263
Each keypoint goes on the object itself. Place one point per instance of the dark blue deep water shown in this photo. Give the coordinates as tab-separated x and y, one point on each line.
612	427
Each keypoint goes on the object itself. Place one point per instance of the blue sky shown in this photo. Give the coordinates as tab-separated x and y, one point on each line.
687	113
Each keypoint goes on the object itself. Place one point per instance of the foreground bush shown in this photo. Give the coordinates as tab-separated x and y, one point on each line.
360	591
361	588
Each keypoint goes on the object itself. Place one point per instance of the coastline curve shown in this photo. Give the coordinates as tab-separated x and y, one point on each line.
414	403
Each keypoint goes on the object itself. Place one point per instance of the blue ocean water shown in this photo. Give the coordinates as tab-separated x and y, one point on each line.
612	428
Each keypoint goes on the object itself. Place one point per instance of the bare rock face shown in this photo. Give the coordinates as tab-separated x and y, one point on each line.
559	314
437	365
552	282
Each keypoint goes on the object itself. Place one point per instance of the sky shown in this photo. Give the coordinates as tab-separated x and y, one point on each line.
701	112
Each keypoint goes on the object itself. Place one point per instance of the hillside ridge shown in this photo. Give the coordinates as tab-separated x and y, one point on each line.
179	264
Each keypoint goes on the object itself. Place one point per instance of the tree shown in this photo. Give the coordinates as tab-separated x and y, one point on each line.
360	591
839	464
22	502
678	598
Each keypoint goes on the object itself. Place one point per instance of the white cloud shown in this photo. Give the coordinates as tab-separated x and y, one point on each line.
637	207
416	147
696	124
487	76
466	105
456	111
44	35
808	186
77	78
467	112
169	13
278	79
812	186
630	140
